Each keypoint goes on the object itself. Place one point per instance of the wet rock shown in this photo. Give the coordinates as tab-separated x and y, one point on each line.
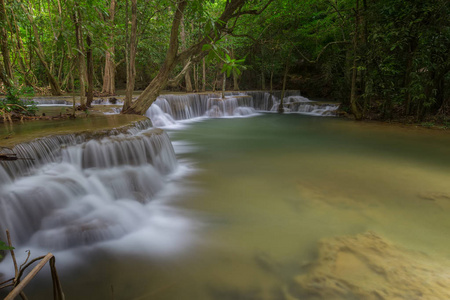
369	267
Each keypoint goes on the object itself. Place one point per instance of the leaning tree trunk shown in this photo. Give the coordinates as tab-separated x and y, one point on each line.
233	8
109	84
153	90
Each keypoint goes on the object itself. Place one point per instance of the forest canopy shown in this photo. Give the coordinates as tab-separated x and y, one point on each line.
382	59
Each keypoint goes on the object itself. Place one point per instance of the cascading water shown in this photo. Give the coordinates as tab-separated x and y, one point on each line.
124	226
60	182
84	188
168	109
80	191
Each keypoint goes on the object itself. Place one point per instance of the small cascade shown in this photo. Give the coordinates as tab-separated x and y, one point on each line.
300	104
168	109
230	106
81	190
152	147
46	150
315	109
107	101
184	107
44	101
37	153
160	113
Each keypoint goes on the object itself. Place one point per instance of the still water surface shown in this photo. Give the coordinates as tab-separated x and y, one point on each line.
259	195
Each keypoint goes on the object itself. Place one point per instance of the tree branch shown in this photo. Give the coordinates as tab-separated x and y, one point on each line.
321	51
253	11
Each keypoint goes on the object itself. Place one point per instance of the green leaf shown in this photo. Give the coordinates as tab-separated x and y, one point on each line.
206	47
4	246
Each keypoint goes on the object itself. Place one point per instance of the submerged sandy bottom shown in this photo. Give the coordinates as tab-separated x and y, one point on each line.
285	207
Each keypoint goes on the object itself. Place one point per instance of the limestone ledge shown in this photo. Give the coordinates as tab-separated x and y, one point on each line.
91	126
367	266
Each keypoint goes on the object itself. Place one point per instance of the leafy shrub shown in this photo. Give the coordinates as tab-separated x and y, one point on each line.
12	104
27	90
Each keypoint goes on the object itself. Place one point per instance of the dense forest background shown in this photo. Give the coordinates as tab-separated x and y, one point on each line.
382	59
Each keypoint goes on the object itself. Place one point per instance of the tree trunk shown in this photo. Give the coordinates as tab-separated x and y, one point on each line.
235	75
263	80
408	83
235	82
187	75
152	91
2	76
81	59
232	9
8	79
204	75
131	70
72	86
109	84
353	96
195	69
90	71
286	70
224	84
271	90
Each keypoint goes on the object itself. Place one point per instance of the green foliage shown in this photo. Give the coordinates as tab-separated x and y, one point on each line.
402	48
232	65
26	90
4	246
218	52
13	104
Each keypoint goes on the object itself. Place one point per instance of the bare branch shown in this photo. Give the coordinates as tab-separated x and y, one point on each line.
13	256
26	260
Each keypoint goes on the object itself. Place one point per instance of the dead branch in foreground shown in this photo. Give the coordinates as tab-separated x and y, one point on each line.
18	284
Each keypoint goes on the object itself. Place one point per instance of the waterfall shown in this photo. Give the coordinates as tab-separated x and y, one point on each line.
48	149
79	189
83	189
47	101
168	109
